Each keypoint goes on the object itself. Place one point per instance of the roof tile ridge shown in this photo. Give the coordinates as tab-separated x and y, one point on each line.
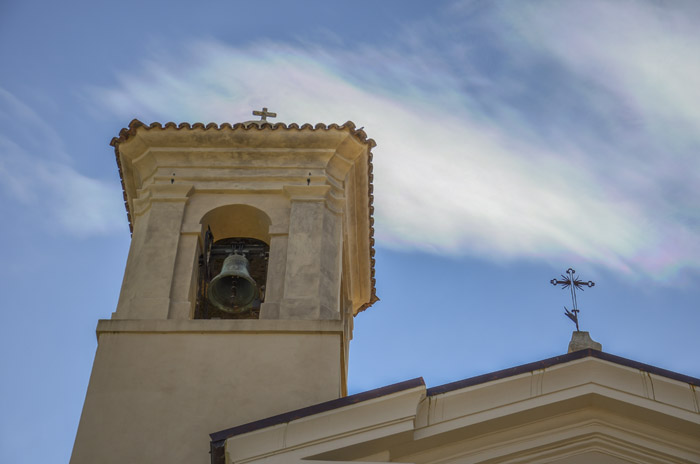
126	132
359	133
370	192
263	125
115	143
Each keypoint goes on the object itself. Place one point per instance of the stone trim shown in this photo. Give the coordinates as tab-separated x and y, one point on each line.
216	326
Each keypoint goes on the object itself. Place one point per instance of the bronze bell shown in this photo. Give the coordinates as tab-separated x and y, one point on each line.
233	290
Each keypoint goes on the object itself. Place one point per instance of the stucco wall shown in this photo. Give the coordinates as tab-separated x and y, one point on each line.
154	397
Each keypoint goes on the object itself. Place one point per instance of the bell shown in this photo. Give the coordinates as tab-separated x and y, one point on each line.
233	290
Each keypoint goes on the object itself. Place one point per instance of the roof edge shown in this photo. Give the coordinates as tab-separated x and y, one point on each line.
221	436
218	439
135	124
549	362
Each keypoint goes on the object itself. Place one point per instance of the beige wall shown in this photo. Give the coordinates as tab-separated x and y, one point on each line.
161	381
158	389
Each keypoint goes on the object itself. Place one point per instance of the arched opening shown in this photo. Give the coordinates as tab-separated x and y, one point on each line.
237	221
233	263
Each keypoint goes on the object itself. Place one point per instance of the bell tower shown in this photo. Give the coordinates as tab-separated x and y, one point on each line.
251	253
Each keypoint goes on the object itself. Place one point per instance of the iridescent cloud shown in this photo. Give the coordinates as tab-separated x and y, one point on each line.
39	183
503	132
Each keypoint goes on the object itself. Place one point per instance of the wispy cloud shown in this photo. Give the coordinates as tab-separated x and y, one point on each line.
36	177
503	133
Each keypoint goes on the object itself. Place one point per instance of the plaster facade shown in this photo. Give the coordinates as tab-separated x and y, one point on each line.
162	380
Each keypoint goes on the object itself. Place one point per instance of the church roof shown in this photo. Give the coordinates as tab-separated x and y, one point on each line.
549	362
218	439
348	126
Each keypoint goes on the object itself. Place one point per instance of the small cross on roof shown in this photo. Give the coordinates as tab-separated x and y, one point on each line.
264	114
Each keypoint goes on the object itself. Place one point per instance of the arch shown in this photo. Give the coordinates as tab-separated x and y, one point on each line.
233	227
237	221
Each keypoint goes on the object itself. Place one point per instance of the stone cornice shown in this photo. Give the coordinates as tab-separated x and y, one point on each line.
307	192
217	326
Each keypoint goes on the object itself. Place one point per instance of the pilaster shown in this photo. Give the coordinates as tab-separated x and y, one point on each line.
274	288
312	280
148	277
182	293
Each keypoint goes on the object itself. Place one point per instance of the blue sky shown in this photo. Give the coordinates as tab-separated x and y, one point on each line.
515	140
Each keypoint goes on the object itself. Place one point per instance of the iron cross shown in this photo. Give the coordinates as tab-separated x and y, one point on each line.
264	114
571	281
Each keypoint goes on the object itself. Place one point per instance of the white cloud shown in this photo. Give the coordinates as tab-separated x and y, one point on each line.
645	52
457	175
36	178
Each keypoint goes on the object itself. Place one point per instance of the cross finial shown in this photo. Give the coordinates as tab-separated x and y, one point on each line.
264	114
571	281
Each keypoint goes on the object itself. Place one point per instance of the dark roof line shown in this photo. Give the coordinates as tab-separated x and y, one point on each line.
218	439
316	409
545	363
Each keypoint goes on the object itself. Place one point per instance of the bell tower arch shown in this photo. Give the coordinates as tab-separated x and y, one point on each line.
233	263
251	253
237	220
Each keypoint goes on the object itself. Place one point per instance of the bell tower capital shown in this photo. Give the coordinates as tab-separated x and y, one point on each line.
276	169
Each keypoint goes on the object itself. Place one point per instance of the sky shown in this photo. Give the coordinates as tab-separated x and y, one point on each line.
514	140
